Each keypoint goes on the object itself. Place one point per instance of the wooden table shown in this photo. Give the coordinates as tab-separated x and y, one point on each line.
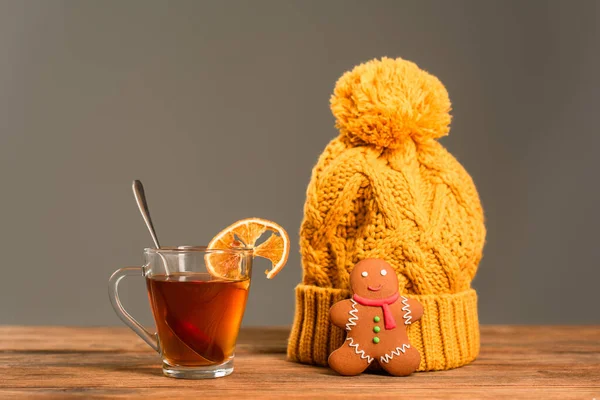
515	361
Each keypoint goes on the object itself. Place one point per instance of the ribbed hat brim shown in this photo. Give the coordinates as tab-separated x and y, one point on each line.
447	336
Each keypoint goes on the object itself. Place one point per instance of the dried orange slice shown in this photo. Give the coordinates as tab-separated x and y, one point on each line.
245	233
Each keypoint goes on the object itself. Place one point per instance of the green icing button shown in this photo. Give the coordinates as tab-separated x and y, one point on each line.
376	329
375	340
376	319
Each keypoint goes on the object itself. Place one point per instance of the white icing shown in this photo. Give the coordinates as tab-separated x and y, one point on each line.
383	272
365	274
386	358
361	353
407	316
353	317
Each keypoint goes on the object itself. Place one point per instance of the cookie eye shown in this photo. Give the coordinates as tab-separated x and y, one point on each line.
383	272
364	274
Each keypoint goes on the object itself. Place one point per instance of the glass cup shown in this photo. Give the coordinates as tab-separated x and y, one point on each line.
198	297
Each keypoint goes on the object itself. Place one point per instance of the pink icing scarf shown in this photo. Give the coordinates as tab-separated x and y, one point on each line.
388	318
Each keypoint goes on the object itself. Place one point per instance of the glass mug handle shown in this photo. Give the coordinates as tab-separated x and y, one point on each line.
113	294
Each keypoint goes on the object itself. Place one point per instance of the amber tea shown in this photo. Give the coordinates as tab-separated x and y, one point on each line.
197	316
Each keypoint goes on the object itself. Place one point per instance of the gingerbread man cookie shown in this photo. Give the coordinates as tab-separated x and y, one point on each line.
375	319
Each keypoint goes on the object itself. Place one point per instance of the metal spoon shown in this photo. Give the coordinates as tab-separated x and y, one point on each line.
140	198
191	336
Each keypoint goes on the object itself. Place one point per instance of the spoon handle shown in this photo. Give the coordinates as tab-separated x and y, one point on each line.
140	198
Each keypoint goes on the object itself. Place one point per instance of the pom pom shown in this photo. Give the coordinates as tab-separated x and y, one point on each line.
384	102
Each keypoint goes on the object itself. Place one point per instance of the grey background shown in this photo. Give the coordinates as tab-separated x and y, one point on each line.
221	108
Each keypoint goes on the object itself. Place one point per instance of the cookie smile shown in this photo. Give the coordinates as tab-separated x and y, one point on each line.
375	289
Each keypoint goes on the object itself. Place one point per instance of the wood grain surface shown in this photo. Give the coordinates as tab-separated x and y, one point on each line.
515	362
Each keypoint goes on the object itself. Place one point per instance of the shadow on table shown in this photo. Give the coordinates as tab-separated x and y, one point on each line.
148	370
373	370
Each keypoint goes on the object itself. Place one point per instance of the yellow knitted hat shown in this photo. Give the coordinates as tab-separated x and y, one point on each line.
385	188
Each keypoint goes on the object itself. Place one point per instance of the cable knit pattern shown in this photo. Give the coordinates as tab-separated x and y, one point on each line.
385	188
